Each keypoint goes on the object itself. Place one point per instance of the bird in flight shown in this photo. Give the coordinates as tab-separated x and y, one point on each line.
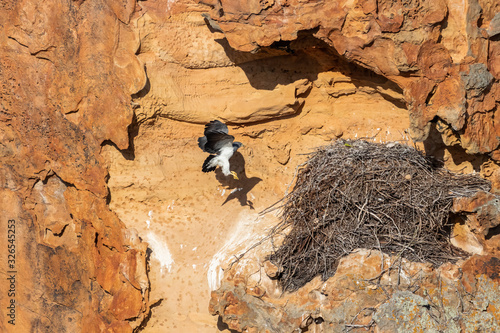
219	144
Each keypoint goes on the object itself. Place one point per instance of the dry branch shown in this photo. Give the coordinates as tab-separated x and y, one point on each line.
357	194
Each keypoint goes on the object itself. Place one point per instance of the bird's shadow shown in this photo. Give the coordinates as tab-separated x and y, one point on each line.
239	188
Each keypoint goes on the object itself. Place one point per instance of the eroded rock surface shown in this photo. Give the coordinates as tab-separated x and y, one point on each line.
287	76
443	57
279	105
68	69
370	292
443	54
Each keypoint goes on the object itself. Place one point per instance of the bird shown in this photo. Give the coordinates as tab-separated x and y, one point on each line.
220	145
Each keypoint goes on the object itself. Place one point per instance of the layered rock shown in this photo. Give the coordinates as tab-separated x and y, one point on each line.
68	70
443	54
370	292
287	76
279	105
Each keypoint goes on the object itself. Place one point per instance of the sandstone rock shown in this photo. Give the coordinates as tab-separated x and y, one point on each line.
434	61
390	16
397	38
271	270
68	70
400	312
485	207
448	103
478	232
63	93
477	80
463	238
371	291
494	26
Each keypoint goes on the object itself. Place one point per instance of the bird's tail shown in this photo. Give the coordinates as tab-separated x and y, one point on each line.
206	167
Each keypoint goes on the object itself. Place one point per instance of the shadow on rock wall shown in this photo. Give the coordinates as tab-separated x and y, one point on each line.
239	188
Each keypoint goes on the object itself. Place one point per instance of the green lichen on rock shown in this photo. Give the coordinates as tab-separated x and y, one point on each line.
485	308
448	310
406	312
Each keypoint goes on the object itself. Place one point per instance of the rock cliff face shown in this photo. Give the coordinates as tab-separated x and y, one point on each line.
68	70
370	292
442	54
102	101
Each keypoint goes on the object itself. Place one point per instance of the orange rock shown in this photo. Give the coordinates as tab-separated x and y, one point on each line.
271	270
68	73
480	265
463	238
390	15
361	294
63	94
434	61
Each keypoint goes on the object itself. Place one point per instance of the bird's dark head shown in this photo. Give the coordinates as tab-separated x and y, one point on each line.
237	145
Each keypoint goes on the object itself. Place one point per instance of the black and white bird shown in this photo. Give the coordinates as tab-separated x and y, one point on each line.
219	144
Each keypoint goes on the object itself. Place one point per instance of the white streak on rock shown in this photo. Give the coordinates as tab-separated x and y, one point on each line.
240	238
160	252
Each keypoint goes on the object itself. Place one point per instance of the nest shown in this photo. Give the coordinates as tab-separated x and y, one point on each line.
355	194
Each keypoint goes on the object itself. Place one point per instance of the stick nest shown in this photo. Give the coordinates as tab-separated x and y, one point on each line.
355	194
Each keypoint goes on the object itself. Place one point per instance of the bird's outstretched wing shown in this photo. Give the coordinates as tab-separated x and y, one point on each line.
217	141
215	138
215	126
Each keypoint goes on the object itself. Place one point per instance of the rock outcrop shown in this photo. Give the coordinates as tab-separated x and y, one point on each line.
68	69
370	292
101	103
442	54
437	51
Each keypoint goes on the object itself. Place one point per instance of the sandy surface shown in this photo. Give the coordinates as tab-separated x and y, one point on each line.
196	222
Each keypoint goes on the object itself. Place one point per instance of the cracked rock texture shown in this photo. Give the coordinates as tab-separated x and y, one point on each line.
442	54
68	69
370	292
118	230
